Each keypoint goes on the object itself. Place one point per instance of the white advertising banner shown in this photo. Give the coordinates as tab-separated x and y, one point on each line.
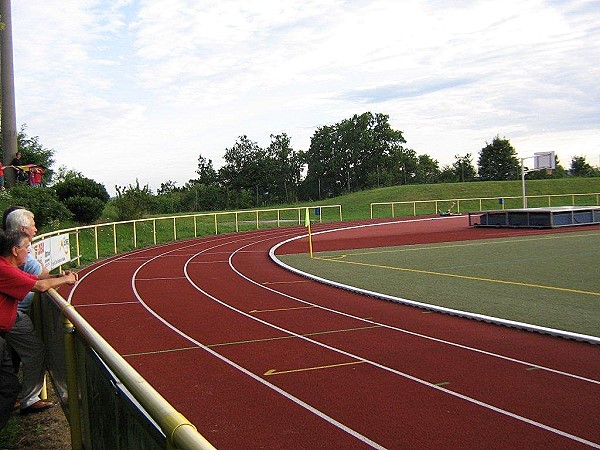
52	252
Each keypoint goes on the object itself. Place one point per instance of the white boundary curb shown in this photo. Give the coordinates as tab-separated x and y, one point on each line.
455	312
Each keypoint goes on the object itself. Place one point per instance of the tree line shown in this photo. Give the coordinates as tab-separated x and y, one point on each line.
358	153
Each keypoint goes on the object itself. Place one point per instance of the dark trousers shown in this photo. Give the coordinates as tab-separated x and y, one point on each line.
9	384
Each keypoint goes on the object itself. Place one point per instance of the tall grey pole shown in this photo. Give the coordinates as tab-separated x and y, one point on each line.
9	120
523	183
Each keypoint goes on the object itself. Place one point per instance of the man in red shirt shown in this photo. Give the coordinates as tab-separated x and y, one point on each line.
17	327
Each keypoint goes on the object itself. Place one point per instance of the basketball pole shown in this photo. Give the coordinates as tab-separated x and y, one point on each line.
523	171
542	160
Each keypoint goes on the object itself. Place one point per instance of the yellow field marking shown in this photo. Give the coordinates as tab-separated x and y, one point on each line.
109	304
465	277
507	240
306	369
254	311
318	333
158	352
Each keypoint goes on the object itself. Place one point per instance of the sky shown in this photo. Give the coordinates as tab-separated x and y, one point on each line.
128	90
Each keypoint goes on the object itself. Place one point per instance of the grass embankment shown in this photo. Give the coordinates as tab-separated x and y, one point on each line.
355	206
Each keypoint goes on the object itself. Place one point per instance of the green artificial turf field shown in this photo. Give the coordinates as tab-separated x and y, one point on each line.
547	280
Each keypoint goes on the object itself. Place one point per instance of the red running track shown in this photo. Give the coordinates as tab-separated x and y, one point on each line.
257	357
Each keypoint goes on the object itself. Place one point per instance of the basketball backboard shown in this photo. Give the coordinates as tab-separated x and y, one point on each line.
544	160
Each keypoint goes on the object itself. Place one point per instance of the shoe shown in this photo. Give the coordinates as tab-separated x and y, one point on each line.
36	407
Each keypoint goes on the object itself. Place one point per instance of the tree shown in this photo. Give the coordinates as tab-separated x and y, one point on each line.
402	166
428	170
43	202
64	173
207	175
463	168
167	187
240	168
498	161
34	152
323	161
246	169
580	167
351	155
285	168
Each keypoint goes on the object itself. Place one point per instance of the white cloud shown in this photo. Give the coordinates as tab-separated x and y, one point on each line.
138	89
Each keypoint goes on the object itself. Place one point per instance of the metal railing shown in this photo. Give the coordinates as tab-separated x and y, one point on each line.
89	374
93	381
459	205
92	242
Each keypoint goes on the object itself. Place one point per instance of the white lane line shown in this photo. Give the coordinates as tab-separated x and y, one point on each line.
262	381
405	375
362	359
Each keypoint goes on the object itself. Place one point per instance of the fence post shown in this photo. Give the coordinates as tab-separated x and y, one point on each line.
72	386
115	237
37	321
77	246
96	242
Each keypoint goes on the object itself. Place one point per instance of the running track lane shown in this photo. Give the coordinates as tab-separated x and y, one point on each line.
257	357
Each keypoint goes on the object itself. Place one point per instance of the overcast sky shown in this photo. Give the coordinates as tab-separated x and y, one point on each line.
128	89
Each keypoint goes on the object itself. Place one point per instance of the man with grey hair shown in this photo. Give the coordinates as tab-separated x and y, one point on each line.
17	219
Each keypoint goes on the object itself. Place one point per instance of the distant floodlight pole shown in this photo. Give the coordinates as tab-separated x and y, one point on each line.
9	121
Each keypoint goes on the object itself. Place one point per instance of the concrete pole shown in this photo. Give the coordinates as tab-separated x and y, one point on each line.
9	120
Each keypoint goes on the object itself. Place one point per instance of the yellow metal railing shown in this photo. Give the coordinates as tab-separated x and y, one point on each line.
417	207
179	432
133	232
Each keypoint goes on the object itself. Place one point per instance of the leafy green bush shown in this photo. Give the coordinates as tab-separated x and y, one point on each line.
84	197
85	209
43	202
133	202
81	187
